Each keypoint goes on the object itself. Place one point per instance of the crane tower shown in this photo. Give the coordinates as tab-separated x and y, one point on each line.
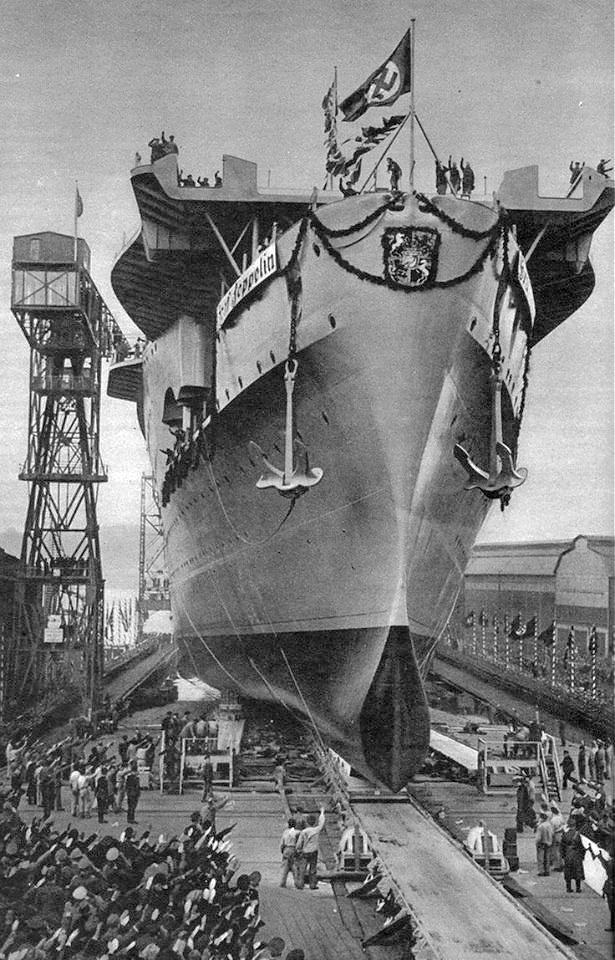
59	623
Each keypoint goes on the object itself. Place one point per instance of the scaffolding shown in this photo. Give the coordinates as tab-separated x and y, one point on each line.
153	580
58	624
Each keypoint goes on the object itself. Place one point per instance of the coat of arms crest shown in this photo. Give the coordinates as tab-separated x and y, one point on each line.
410	255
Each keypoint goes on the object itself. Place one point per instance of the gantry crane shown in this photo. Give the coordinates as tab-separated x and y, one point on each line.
59	619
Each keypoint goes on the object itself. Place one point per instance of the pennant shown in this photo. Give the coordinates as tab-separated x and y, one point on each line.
78	203
330	108
384	86
546	636
518	629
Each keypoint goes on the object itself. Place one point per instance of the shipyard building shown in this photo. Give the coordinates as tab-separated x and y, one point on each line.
571	582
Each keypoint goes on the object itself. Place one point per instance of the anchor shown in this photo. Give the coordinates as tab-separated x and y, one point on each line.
297	476
503	476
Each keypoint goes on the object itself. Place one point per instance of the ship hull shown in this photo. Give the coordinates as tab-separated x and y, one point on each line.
328	603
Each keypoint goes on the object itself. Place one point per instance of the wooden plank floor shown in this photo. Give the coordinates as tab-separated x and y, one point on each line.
457	904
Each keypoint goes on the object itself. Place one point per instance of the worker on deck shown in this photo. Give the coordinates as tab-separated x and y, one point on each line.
467	179
479	838
441	181
307	848
454	175
395	173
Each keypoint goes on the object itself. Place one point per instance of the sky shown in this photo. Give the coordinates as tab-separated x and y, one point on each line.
84	85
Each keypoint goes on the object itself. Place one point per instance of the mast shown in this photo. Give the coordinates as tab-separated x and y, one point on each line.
412	23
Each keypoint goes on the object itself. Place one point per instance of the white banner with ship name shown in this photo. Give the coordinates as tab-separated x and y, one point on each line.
263	267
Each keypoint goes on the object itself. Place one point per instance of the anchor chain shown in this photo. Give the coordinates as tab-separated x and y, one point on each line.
503	476
297	476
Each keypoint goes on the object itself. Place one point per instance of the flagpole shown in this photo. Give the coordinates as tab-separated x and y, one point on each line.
385	151
412	24
335	108
76	235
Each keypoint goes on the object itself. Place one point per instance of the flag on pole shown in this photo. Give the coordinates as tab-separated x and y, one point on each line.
384	86
78	203
469	620
547	636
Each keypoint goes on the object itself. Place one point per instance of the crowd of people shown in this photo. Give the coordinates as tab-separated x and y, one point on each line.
69	895
75	894
558	837
98	779
162	146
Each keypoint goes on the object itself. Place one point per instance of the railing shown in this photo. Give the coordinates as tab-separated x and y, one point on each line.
63	383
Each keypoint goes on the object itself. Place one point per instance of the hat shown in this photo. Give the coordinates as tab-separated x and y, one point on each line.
112	854
80	893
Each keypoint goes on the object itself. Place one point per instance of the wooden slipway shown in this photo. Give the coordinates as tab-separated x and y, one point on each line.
461	910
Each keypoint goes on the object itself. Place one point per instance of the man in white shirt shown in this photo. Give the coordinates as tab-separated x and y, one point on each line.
288	842
73	782
307	846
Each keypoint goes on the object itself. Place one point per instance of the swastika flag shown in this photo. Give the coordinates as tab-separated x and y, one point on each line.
384	85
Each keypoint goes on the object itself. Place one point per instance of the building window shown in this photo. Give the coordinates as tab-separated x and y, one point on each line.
35	249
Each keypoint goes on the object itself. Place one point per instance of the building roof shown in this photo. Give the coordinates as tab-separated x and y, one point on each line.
531	558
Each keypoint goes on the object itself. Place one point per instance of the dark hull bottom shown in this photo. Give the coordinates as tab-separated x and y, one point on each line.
361	688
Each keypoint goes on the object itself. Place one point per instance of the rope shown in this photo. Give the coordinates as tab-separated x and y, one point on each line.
296	716
303	700
208	648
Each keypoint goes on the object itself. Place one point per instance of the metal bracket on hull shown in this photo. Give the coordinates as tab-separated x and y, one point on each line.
503	476
297	477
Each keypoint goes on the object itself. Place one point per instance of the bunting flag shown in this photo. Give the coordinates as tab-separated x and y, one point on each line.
344	160
483	619
330	108
78	203
469	620
547	636
517	628
384	86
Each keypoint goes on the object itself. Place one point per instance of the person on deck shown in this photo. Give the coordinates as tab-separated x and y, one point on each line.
603	168
573	853
307	846
567	769
441	181
288	842
454	175
133	791
395	174
217	179
581	764
467	179
558	825
544	842
576	170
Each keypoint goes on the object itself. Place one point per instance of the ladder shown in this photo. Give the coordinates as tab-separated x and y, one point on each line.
550	771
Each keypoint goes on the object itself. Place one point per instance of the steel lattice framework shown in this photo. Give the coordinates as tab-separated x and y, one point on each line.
153	583
60	619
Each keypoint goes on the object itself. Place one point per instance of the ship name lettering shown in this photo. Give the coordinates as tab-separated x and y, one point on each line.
263	267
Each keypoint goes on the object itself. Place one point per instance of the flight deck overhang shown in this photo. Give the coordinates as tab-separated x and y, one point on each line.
189	237
555	235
